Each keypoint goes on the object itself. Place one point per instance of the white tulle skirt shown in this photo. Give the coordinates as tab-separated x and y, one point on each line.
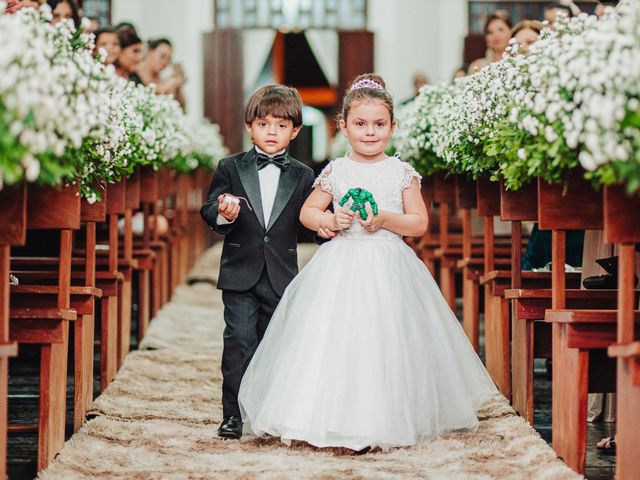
363	350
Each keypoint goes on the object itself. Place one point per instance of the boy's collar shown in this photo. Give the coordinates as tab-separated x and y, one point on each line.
259	150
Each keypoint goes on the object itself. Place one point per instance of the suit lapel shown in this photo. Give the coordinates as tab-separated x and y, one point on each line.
288	182
248	173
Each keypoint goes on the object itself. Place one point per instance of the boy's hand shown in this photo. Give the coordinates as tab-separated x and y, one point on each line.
326	233
228	208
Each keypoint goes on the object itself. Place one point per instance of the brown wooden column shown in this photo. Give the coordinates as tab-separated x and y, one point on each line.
355	55
223	84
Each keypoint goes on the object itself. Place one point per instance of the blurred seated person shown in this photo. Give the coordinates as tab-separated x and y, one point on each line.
552	9
125	27
94	24
107	41
130	56
526	33
538	253
14	5
420	79
497	33
137	224
155	63
601	8
64	10
461	72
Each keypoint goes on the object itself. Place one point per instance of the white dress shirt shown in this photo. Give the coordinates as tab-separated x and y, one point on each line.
269	177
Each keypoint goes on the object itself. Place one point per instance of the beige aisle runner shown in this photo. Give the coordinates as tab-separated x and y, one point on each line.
158	419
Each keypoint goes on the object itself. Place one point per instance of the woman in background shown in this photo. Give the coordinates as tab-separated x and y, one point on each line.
107	39
14	5
526	33
497	33
130	56
64	10
156	64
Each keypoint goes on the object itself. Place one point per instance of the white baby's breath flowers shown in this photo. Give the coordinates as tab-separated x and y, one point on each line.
69	118
574	99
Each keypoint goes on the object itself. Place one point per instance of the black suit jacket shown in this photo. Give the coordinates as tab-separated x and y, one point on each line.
249	245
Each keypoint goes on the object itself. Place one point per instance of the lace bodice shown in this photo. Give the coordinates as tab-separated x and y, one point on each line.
385	180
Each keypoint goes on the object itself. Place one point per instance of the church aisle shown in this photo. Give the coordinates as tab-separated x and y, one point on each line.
159	418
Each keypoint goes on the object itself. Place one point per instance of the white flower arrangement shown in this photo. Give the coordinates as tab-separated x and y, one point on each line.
574	100
65	117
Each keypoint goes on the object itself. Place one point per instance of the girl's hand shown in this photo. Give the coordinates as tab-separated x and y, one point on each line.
343	218
373	223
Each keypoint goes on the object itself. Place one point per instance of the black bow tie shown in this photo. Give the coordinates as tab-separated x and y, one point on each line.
281	161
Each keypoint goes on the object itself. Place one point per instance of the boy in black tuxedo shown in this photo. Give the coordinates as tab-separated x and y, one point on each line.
254	201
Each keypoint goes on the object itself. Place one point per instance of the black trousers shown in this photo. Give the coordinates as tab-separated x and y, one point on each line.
246	315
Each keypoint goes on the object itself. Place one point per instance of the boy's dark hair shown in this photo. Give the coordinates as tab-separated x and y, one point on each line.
558	6
609	3
156	42
276	100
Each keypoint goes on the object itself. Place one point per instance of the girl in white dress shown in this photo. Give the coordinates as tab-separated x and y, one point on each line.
363	350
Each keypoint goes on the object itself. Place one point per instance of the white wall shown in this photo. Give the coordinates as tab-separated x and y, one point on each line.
183	23
417	35
411	35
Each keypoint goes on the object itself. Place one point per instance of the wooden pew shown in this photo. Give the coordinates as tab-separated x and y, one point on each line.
126	265
48	326
164	207
466	201
515	207
488	202
110	281
445	195
148	271
37	290
197	197
450	250
621	226
13	204
183	188
579	336
426	247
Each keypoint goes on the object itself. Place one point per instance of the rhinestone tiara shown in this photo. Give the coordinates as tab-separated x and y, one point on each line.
366	83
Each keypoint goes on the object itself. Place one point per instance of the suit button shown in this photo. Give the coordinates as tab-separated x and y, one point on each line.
267	239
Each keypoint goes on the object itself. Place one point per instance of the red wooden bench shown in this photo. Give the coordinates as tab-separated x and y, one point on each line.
496	258
621	226
578	335
515	207
13	204
47	324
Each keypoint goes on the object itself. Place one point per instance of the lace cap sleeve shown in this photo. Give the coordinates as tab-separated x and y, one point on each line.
325	179
408	174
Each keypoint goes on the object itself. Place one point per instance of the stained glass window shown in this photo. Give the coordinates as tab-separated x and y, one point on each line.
100	9
291	14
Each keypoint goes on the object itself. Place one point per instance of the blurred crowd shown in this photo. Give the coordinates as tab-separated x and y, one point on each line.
499	31
121	46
